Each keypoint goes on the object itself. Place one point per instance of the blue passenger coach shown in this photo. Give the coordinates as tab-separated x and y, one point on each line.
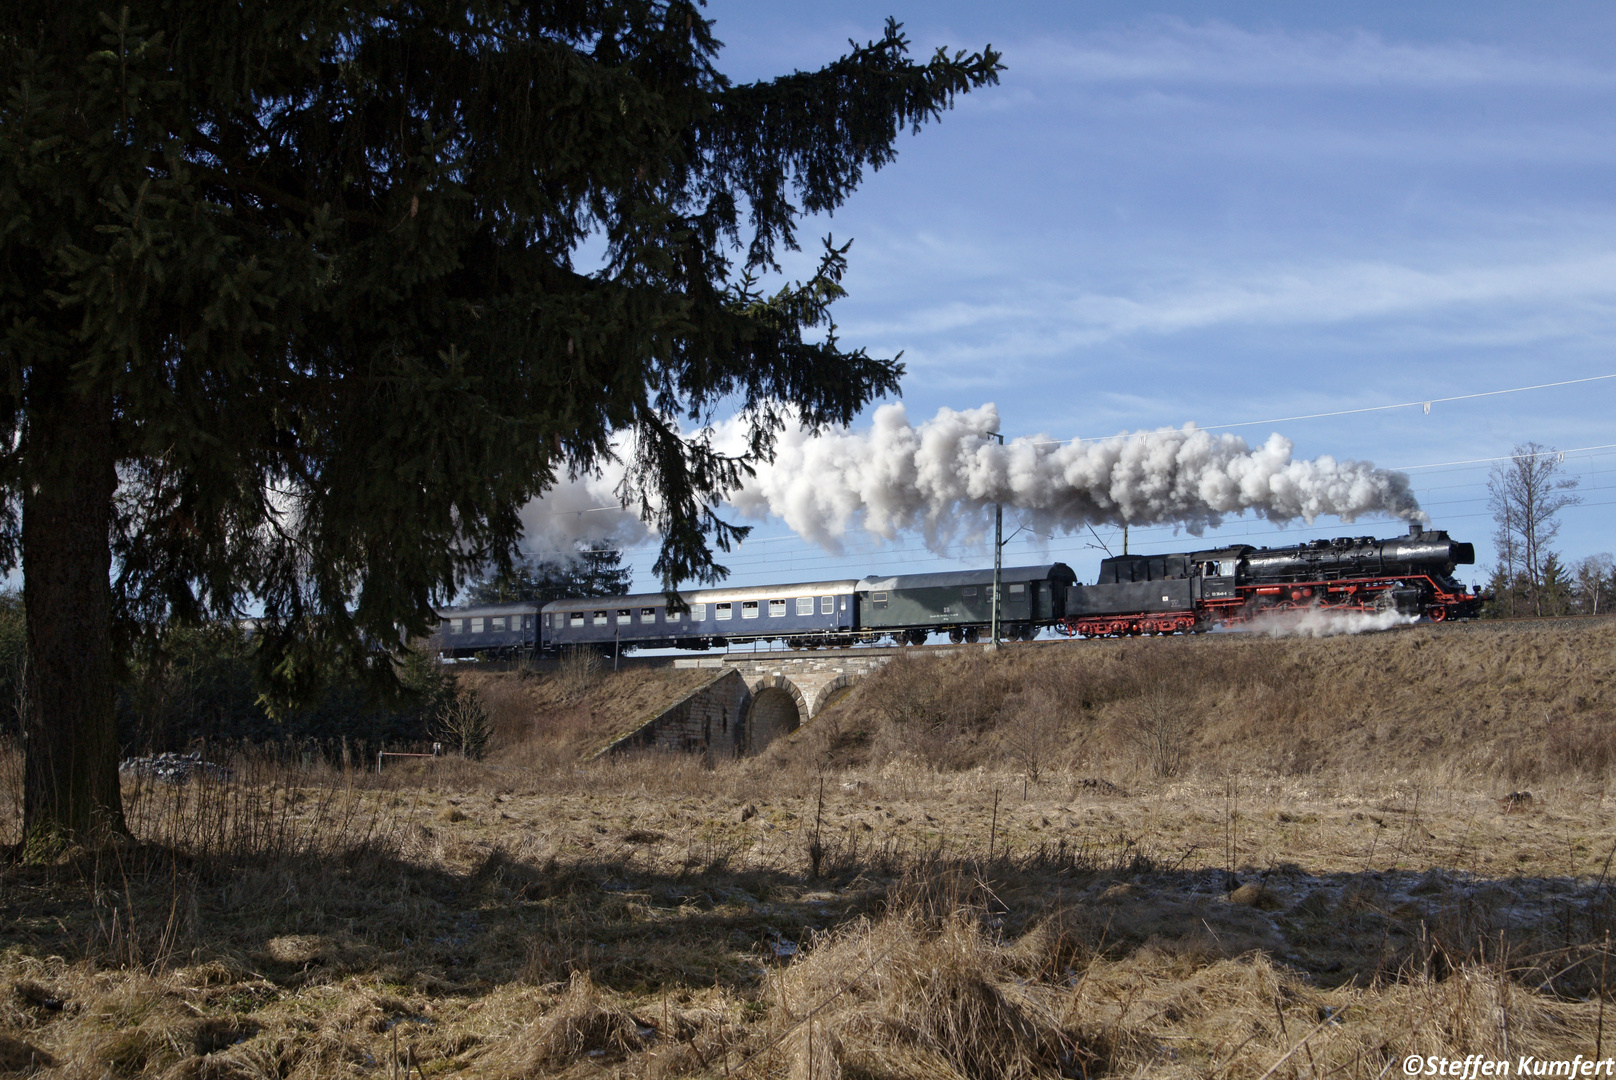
491	630
817	611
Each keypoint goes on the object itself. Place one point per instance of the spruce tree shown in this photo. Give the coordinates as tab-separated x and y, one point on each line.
294	315
596	571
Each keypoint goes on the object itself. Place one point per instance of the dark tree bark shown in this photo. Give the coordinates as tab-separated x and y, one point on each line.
70	790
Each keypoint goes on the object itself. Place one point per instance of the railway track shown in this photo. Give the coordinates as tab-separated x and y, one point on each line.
944	648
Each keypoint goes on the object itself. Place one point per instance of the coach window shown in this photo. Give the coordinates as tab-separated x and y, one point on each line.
1018	587
827	605
600	618
777	609
805	605
477	625
749	609
648	614
722	611
969	592
878	599
698	612
576	618
624	617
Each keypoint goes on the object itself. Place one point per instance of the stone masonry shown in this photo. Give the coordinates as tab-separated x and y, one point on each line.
755	698
710	720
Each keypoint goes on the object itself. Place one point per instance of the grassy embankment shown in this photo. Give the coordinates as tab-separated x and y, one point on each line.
1160	858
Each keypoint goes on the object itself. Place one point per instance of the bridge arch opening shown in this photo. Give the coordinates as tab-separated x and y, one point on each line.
774	712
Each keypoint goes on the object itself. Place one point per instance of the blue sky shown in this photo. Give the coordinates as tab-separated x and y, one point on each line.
1238	212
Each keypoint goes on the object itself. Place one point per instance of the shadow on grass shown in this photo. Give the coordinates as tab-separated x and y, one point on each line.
647	921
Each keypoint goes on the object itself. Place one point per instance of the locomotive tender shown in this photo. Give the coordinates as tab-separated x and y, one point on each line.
1189	592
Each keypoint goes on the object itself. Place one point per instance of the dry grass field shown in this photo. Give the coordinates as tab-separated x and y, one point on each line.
1226	857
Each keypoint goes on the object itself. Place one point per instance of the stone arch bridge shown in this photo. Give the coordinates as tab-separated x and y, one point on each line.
753	699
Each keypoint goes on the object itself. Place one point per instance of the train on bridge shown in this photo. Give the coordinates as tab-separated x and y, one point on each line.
1190	592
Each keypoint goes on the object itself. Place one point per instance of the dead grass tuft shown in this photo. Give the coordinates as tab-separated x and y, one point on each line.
20	1056
583	1023
906	997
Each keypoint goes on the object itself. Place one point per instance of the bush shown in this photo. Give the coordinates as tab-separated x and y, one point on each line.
1156	726
1584	744
1033	736
197	687
462	725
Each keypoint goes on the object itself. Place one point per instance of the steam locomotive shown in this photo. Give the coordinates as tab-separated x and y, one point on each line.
1192	592
1189	592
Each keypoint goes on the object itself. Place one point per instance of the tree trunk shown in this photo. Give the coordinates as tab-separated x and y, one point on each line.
70	790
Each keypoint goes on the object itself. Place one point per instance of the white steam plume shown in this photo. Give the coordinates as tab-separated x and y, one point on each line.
940	477
580	513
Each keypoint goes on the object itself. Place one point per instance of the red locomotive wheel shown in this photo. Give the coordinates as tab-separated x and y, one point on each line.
1439	614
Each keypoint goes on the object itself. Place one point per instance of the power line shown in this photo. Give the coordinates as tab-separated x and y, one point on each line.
1505	457
1425	403
1410	404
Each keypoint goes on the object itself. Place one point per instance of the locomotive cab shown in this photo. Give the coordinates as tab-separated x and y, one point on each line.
1217	572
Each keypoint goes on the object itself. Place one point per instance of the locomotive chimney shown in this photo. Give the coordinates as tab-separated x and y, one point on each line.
1415	528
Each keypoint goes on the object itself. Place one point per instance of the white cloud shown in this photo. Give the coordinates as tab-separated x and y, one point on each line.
1551	297
1216	53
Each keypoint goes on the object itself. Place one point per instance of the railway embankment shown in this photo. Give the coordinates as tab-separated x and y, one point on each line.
1519	700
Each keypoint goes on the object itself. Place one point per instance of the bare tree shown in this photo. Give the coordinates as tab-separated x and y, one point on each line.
1596	576
1527	494
463	725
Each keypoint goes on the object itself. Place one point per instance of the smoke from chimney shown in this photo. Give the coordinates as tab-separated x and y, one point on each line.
940	478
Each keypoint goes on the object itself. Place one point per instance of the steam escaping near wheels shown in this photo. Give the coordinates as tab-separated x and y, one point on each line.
940	479
1318	623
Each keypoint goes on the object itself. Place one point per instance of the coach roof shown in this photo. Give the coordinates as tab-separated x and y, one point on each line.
706	596
515	607
953	579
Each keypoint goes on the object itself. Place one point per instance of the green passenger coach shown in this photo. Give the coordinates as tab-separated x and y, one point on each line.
960	603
